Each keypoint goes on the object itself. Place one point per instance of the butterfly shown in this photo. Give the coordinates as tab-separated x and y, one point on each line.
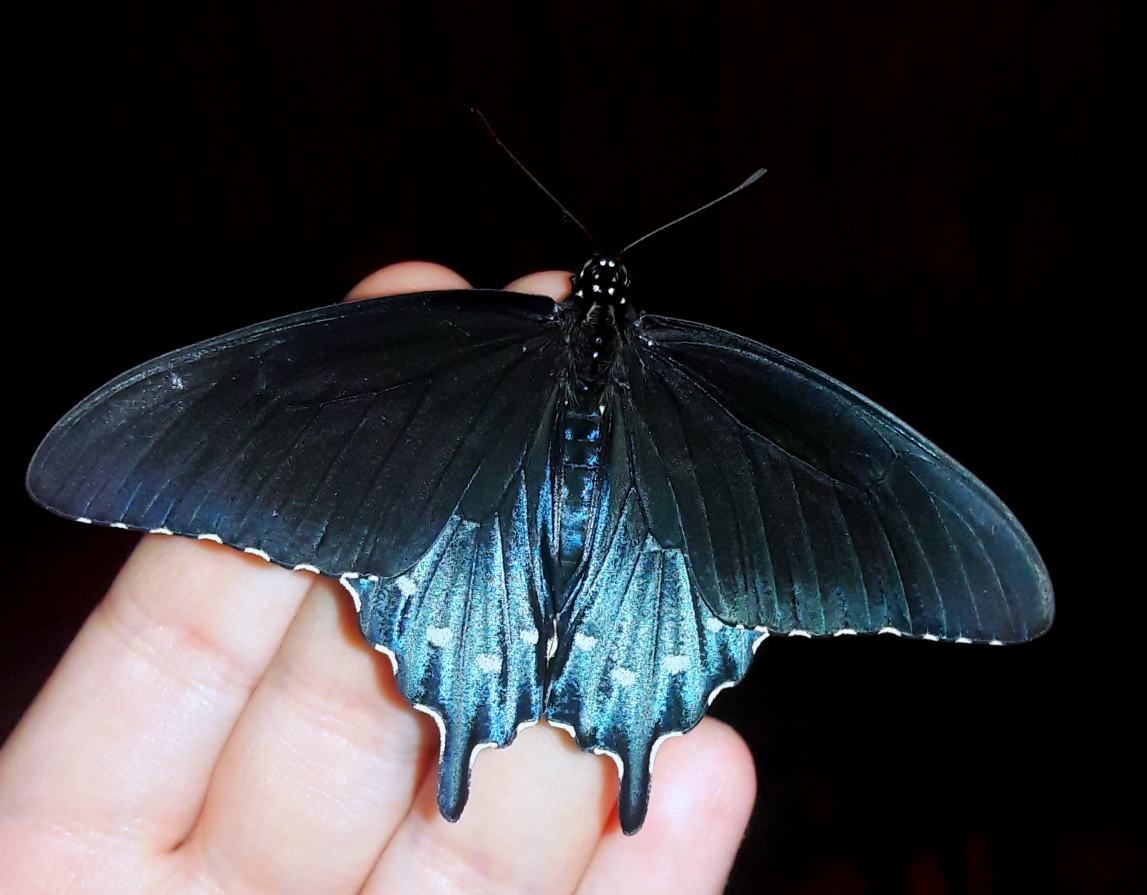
570	511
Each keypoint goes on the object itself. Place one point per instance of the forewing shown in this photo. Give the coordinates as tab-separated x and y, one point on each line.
638	658
805	508
343	438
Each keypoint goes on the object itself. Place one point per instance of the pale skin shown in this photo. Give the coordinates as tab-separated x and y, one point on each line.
219	725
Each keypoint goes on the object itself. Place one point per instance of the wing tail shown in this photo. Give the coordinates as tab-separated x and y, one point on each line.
639	657
462	629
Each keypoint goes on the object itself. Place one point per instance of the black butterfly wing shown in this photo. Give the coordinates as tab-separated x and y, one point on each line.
638	658
805	508
382	442
342	438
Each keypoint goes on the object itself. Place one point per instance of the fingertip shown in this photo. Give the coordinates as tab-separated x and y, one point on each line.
704	786
407	276
532	821
554	284
708	774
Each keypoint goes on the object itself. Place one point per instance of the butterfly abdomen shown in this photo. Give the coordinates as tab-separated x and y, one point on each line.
576	483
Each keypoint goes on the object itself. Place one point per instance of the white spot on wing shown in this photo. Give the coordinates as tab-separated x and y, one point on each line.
764	632
524	724
306	567
584	641
209	537
890	630
438	636
995	643
529	635
675	664
623	677
489	663
657	745
798	632
119	525
437	720
843	632
161	531
405	585
255	551
932	637
962	640
176	381
714	625
84	519
597	750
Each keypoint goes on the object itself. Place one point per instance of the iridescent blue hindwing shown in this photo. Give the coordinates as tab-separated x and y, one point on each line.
639	656
463	631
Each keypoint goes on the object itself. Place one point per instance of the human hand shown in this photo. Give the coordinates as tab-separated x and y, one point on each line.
219	725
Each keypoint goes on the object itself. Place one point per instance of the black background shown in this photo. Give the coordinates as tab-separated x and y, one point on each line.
946	225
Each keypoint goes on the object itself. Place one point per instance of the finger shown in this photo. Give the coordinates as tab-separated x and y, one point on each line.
407	276
124	736
328	755
554	283
701	800
535	814
147	694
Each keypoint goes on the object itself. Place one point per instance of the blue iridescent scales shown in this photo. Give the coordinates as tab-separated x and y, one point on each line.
621	669
572	512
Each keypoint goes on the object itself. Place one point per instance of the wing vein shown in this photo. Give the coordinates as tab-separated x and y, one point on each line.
851	545
952	549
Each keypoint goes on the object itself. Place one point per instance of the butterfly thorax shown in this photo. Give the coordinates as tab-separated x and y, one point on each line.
595	321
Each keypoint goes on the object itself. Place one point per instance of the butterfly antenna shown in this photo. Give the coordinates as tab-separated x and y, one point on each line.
565	211
753	178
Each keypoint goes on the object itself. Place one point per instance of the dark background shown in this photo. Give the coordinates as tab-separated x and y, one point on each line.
946	225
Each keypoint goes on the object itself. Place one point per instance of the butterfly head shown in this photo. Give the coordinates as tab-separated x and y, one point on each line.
603	280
